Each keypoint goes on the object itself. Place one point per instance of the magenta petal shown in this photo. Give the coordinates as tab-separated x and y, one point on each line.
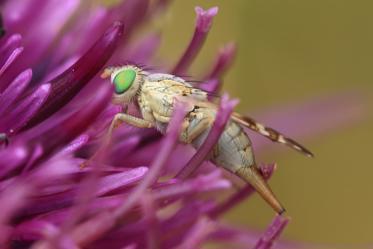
211	86
13	157
204	18
64	130
47	23
13	42
11	199
4	65
22	113
120	180
150	218
69	83
273	232
223	62
222	117
198	233
203	24
76	144
200	184
14	90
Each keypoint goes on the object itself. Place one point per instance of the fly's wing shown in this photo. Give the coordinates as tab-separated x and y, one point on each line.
270	133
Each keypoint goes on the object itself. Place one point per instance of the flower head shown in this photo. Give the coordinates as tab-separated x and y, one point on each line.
53	111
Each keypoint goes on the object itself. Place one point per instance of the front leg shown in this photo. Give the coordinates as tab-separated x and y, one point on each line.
118	119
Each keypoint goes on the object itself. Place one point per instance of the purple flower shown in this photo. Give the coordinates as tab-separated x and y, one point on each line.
54	110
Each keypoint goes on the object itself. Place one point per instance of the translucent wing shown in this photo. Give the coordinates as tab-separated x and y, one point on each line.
270	133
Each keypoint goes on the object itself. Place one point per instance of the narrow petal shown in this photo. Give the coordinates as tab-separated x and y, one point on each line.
200	184
120	180
67	128
197	234
203	25
149	209
53	11
223	61
211	86
14	90
272	233
76	144
13	42
68	84
8	60
86	30
23	112
222	117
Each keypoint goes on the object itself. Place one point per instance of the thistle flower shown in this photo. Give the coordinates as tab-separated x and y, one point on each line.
130	197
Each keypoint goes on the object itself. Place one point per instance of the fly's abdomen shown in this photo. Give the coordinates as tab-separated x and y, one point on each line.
233	150
234	153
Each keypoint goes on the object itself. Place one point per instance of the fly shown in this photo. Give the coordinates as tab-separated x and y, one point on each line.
156	93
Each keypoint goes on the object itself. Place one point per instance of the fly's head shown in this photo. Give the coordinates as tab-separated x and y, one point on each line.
127	81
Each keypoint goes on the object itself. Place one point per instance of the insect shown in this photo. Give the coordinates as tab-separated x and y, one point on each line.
156	93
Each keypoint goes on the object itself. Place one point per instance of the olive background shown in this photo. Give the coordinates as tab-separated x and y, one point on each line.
290	51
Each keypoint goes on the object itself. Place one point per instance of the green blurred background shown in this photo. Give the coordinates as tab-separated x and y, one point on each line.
289	51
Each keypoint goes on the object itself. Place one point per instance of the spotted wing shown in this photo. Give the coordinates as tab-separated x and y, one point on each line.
270	133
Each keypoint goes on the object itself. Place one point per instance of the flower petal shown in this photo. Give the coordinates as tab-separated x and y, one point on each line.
223	61
8	60
53	11
23	112
203	25
69	83
272	233
14	90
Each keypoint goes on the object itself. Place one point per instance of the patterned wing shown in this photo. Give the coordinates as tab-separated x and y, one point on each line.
270	133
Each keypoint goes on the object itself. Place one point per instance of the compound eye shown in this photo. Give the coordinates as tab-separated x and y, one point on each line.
123	80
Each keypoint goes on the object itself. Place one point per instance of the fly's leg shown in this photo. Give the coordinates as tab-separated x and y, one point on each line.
4	139
131	120
191	131
118	119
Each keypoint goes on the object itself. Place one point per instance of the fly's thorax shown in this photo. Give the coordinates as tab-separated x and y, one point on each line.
158	97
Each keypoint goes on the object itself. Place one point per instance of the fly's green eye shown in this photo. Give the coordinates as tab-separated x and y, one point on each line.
123	80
